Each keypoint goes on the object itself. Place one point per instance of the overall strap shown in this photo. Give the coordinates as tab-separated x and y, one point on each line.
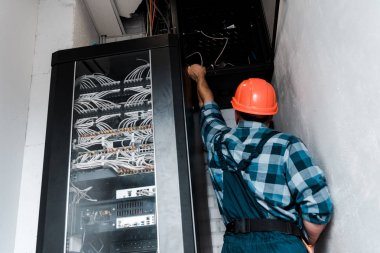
218	150
243	165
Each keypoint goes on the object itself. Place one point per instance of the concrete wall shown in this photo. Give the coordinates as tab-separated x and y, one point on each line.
18	21
60	26
328	80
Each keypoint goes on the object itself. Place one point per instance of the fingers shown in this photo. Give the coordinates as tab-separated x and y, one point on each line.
310	248
196	71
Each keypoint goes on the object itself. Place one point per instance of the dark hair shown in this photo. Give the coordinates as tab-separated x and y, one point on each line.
253	117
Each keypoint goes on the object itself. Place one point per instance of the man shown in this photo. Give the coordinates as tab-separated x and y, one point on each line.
266	184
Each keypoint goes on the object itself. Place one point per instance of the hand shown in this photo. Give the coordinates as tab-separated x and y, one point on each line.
310	248
196	72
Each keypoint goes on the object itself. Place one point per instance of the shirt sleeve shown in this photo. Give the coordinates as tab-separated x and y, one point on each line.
212	123
307	184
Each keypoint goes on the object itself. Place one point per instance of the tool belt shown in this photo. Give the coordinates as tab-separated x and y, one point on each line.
263	225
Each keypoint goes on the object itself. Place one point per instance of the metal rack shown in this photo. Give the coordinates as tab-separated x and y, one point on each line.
112	165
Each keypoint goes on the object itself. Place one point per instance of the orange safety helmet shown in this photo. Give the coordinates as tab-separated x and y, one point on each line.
255	96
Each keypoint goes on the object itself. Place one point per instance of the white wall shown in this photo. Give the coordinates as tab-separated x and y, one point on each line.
84	30
60	26
18	21
327	74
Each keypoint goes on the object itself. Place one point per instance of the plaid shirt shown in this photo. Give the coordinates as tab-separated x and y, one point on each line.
283	178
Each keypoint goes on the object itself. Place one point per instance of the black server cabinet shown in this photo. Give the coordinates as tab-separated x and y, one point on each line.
116	176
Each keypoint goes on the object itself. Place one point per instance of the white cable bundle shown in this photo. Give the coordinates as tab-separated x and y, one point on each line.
80	194
115	153
140	97
136	75
86	142
93	101
131	161
147	121
144	136
130	120
84	107
82	126
95	80
101	125
133	117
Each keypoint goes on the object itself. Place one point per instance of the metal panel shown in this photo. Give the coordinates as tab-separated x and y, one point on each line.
51	229
175	227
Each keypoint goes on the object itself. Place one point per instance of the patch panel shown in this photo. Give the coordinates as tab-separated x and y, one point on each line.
135	221
136	192
134	246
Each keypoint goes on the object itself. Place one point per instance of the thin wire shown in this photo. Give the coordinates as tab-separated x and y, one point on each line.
216	38
194	54
139	59
151	15
149	31
163	17
154	14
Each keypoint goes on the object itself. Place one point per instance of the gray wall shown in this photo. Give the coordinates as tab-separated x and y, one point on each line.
327	74
61	24
18	21
269	9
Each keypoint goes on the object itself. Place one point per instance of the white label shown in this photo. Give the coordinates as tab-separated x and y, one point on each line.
135	221
136	192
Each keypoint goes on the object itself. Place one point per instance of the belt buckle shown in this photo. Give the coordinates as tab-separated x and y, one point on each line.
243	226
230	226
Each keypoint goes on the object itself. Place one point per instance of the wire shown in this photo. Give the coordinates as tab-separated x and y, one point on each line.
95	80
136	74
151	15
216	38
102	140
101	248
80	194
194	54
149	31
154	13
163	17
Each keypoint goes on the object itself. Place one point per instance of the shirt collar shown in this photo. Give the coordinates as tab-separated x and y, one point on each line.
251	124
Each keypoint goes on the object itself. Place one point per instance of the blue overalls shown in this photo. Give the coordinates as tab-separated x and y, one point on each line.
240	203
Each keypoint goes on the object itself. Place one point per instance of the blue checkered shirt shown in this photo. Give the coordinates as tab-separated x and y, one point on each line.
283	177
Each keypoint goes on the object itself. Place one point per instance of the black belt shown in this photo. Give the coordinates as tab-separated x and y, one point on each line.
263	225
